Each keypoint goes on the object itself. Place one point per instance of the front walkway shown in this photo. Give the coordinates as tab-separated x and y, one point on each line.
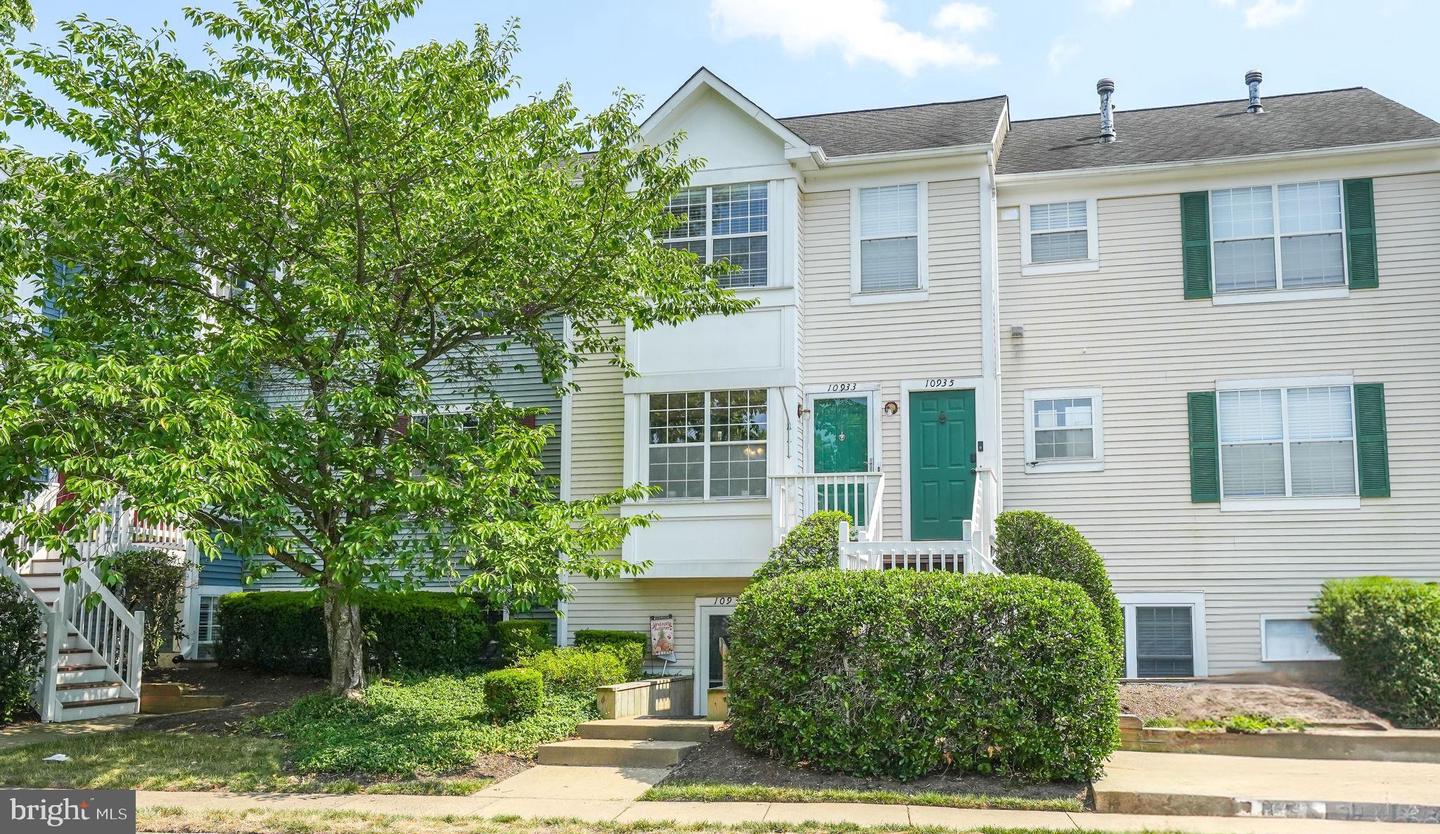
610	795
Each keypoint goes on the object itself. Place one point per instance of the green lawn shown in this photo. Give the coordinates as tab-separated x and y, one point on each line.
710	792
415	737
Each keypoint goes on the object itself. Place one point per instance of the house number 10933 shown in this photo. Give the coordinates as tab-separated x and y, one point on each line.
837	387
940	382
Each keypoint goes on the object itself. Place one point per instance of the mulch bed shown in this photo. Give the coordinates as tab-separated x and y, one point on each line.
251	694
721	761
1189	701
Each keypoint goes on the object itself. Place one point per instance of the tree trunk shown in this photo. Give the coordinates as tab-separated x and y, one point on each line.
347	645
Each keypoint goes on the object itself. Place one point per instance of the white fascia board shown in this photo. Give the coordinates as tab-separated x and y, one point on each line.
1414	156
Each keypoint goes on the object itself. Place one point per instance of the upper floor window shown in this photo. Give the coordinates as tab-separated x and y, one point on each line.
1277	442
726	223
1285	237
708	444
1063	430
889	238
1059	232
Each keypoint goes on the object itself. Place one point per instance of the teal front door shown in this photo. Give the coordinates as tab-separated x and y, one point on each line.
942	477
842	444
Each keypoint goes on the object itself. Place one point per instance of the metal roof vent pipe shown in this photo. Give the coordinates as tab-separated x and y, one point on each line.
1106	88
1252	80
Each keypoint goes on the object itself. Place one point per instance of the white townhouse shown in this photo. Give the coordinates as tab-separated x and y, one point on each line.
1206	335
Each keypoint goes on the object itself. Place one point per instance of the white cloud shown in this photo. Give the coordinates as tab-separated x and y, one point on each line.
861	29
1114	7
1062	50
1270	12
967	17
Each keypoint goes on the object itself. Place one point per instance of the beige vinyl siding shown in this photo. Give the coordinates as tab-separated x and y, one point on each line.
888	343
1128	331
628	604
597	425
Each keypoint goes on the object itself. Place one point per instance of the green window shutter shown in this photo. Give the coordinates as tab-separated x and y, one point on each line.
1204	448
1360	234
1195	235
1371	445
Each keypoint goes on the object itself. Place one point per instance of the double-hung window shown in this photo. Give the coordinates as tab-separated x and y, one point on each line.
708	444
207	625
726	223
1063	430
1279	442
889	240
1285	237
1059	232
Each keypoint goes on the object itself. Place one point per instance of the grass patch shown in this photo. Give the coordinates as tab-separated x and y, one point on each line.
1244	723
418	727
347	822
710	792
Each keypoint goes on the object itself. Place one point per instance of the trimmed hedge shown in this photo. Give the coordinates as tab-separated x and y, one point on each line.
522	638
814	544
284	631
904	674
513	694
575	671
1035	543
1387	634
629	646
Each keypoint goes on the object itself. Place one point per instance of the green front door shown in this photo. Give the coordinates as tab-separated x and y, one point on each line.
942	477
842	444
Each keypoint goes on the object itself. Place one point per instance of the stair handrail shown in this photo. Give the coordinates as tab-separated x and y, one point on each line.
876	509
114	633
979	557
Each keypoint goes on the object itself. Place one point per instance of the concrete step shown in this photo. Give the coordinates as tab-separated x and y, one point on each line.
1192	784
602	752
648	729
84	711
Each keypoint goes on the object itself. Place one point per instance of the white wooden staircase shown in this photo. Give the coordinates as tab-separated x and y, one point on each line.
93	644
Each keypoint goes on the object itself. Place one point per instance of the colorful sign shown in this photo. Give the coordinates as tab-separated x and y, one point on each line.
662	637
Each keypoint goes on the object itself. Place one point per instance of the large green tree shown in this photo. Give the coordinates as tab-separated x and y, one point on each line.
269	263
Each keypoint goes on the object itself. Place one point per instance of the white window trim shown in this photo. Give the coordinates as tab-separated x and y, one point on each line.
709	237
706	498
1279	293
1196	601
1266	657
868	391
1097	410
1091	261
1288	503
921	292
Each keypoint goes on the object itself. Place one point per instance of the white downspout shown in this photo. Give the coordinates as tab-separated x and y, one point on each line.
991	411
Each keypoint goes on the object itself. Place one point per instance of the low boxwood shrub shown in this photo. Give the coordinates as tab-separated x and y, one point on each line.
513	694
629	646
575	671
1387	634
284	631
903	674
522	638
814	544
1035	543
22	648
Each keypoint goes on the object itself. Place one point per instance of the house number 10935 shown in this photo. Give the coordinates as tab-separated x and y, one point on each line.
940	382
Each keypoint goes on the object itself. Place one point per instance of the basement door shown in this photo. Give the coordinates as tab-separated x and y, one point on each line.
942	463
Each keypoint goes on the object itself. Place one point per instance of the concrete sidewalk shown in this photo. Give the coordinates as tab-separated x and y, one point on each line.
618	810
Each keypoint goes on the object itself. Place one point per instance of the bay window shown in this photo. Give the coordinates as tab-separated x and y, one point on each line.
708	444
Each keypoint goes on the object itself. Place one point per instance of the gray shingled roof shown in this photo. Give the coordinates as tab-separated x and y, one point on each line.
1306	121
891	129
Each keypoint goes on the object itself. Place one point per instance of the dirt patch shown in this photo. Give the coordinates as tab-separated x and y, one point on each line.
1185	701
721	761
250	694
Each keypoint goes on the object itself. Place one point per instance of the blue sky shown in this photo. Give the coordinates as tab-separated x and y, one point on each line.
805	56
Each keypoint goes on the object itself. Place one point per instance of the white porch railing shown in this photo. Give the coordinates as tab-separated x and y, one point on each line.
856	493
971	554
980	529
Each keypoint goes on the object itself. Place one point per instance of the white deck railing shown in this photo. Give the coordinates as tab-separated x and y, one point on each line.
856	493
980	530
971	554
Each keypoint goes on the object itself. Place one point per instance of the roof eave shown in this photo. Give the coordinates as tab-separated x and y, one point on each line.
904	156
1190	164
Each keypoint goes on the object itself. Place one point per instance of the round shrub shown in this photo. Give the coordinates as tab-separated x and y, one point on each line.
22	648
522	638
814	544
1035	543
513	694
155	581
629	646
1387	634
575	671
903	674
